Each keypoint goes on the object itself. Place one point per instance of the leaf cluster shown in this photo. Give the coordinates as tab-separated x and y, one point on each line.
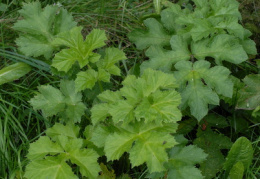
185	40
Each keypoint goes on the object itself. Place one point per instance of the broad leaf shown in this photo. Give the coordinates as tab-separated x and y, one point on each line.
70	130
86	159
237	171
146	143
241	151
39	26
161	59
51	167
42	147
182	160
13	72
215	159
155	35
80	51
150	97
203	85
65	102
221	47
250	95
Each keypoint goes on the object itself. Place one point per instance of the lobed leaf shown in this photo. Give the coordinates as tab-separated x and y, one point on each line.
39	26
203	85
65	102
51	167
250	95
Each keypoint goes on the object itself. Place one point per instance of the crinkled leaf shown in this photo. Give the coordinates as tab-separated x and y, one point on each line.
160	106
161	59
182	160
222	47
150	143
99	112
13	72
150	149
51	167
39	26
71	131
250	95
86	159
80	51
150	97
50	100
86	79
155	35
112	56
42	147
65	102
201	81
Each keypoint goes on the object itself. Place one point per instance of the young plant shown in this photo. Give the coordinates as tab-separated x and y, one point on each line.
39	27
195	44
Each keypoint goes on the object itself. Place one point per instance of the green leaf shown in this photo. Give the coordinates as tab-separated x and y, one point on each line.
86	79
112	56
250	95
13	72
42	147
182	160
186	172
161	59
39	26
215	160
241	151
163	107
49	100
201	81
118	143
237	171
80	51
99	112
221	47
65	102
150	142
150	97
70	130
100	135
86	159
95	39
155	35
106	174
151	149
51	167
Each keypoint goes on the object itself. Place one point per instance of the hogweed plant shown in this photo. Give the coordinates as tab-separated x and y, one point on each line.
188	49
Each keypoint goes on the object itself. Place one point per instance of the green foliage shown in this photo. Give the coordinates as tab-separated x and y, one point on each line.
209	30
48	155
39	28
151	97
134	123
81	51
144	113
182	161
13	72
241	151
250	95
65	102
192	78
212	143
